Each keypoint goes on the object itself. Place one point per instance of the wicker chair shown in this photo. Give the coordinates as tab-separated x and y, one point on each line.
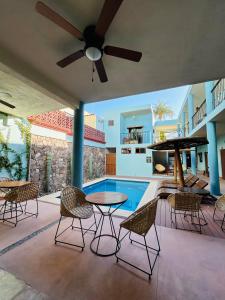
140	223
15	203
220	205
3	191
186	204
73	205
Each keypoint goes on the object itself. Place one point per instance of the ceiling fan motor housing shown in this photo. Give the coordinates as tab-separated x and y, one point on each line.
92	39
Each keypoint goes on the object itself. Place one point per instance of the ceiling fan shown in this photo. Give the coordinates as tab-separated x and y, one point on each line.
93	37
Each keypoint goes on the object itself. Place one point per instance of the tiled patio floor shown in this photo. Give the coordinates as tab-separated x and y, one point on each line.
190	266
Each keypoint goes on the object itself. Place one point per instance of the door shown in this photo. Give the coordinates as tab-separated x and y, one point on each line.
206	164
222	153
111	163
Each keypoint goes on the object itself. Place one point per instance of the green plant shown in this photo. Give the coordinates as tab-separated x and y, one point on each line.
25	131
10	160
161	110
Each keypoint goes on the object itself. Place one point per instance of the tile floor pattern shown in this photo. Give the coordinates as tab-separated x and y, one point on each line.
190	266
12	288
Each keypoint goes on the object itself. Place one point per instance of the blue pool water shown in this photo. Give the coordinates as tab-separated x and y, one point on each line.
133	189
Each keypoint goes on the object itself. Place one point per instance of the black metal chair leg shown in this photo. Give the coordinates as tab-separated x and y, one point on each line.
149	261
157	237
57	229
82	234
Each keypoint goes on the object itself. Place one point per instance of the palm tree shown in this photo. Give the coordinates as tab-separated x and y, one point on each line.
162	110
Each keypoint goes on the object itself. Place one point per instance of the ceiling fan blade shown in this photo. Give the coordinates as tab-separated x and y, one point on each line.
101	70
123	53
7	104
50	14
71	58
107	14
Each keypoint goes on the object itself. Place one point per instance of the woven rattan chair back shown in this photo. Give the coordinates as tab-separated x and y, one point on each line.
142	219
201	184
71	197
23	193
187	202
192	181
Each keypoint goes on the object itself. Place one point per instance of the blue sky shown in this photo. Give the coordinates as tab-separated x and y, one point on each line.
173	97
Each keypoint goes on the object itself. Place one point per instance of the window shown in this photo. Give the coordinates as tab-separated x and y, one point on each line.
140	150
126	151
110	122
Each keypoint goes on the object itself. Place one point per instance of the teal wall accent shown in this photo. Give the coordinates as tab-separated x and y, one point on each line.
130	164
77	154
11	134
209	96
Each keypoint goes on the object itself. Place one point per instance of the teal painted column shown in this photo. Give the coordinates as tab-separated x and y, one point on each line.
77	155
213	158
190	115
184	157
212	139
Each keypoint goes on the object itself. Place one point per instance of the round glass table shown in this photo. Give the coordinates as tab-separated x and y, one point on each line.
107	199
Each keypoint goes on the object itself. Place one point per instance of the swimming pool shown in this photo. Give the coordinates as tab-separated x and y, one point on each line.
133	189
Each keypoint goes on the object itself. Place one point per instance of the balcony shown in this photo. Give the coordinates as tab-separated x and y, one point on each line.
219	92
135	137
199	115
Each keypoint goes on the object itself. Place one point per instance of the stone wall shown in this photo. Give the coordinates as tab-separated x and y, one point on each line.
94	163
50	163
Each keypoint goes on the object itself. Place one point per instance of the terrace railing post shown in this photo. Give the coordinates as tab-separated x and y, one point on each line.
77	154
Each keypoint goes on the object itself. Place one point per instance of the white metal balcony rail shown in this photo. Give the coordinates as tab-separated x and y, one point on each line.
135	137
199	114
218	92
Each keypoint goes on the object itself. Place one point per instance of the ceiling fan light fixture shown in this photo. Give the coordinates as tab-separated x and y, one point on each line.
93	53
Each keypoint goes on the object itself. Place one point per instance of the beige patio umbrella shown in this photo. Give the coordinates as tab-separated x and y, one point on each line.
177	145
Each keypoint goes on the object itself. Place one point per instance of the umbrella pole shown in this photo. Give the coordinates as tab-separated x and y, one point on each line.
179	166
175	168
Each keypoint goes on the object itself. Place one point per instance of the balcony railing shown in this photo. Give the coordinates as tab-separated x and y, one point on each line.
199	114
218	92
135	137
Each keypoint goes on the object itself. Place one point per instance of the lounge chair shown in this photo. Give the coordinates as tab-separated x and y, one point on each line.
220	205
201	184
140	223
188	182
187	204
172	181
74	206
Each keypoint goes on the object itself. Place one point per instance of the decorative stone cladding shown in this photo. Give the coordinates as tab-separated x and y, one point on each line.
94	163
50	163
